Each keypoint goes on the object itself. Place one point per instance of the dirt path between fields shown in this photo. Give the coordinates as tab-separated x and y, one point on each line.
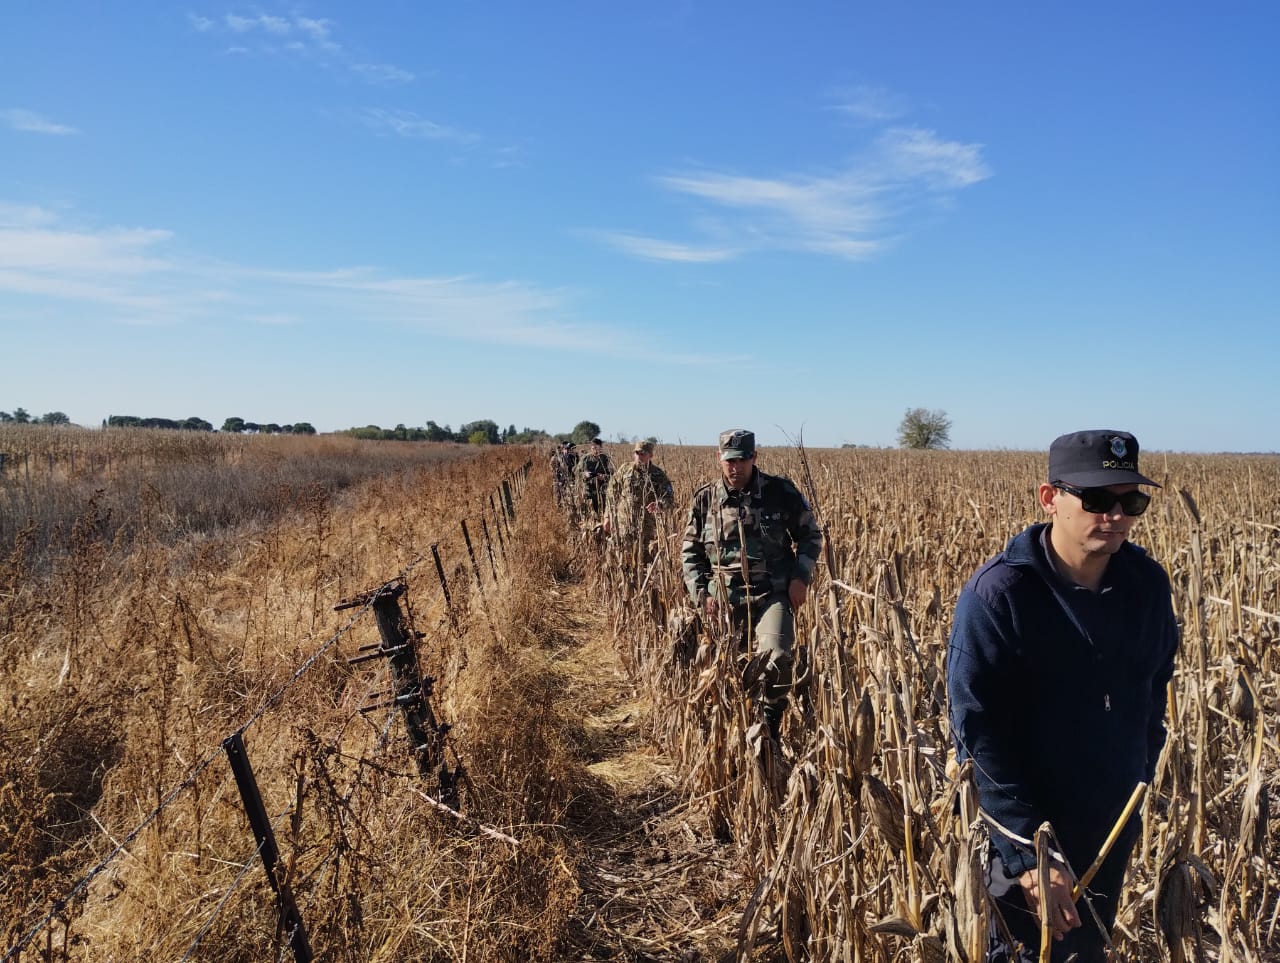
655	885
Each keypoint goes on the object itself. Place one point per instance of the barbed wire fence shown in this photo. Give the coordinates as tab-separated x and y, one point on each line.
410	699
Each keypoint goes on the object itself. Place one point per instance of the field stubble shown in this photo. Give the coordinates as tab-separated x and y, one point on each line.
861	843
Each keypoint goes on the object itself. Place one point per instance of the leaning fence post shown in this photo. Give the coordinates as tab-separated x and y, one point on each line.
444	584
411	692
466	537
488	544
497	527
506	497
290	918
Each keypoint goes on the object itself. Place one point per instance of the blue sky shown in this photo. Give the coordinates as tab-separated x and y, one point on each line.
668	218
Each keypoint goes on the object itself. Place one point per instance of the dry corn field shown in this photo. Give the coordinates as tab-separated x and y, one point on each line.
128	658
865	850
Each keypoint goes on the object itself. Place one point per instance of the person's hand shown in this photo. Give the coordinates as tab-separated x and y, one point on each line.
652	508
712	606
606	527
797	592
1062	908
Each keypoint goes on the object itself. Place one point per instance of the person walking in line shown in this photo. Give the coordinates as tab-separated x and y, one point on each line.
562	465
749	552
637	493
594	469
1059	658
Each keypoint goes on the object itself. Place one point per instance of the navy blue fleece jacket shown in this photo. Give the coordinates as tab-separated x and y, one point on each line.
1058	694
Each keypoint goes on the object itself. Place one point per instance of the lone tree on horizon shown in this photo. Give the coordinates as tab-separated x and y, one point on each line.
921	428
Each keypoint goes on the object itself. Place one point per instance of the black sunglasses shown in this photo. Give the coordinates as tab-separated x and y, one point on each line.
1099	501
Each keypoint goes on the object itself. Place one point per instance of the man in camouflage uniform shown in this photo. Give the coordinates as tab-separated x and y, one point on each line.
594	470
564	461
749	554
636	494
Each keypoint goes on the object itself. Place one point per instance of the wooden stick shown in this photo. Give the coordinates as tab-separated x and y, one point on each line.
457	815
1046	901
1110	841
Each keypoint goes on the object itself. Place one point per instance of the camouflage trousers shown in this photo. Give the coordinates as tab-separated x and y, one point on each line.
767	627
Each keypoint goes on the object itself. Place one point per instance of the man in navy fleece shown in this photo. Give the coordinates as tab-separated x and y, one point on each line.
1059	659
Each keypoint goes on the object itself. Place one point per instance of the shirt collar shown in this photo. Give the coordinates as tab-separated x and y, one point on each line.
1066	580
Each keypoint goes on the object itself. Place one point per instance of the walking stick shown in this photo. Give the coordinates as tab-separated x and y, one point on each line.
1110	841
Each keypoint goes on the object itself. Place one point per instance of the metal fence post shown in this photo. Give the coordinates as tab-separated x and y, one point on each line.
290	918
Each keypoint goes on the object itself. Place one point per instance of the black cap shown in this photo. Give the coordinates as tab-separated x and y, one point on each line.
1090	459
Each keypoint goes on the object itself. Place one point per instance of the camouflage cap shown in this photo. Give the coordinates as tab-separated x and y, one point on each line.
643	447
737	443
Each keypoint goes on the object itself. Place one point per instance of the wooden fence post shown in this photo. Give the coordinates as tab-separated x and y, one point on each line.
497	527
488	544
466	537
506	498
411	692
444	584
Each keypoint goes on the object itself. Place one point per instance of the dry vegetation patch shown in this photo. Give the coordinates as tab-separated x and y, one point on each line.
614	749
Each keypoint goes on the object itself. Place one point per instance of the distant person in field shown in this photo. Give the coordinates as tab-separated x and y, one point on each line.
749	553
637	493
1060	654
594	470
564	462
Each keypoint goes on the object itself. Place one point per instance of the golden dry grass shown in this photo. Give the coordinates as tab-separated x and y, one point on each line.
125	667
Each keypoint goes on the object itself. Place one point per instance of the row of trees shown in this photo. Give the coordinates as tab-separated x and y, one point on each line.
232	425
240	426
20	416
483	432
919	428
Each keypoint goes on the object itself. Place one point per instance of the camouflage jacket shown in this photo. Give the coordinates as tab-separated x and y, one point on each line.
783	540
593	475
595	469
632	488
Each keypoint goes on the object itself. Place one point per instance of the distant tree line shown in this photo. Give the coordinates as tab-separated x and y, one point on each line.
232	425
133	421
483	432
20	416
240	426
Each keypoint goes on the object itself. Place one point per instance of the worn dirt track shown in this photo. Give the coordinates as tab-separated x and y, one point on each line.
655	884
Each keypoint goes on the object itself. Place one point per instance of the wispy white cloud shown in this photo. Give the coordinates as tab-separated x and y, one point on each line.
852	212
269	34
117	251
24	215
135	276
382	73
30	121
653	249
406	123
869	103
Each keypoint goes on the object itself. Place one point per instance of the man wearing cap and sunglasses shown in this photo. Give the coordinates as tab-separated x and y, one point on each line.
749	552
1060	654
